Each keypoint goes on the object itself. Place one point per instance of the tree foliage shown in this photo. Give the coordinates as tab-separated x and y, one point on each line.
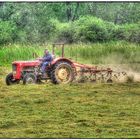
69	21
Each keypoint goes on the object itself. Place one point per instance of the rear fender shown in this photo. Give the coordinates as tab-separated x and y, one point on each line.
64	60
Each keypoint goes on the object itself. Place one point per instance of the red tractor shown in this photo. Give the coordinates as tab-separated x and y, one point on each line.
60	70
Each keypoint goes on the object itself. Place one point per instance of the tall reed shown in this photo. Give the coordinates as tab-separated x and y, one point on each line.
97	53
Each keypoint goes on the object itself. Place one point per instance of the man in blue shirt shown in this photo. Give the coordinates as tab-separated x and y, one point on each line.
46	59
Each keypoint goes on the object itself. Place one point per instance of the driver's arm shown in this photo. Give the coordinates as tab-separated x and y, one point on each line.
40	59
47	58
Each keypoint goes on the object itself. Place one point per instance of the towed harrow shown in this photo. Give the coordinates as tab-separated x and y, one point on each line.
96	74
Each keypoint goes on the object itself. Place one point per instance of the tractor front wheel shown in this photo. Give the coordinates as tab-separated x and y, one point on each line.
10	79
62	73
29	78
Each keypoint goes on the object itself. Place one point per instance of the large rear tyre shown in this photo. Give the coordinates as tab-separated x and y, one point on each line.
29	78
62	73
10	79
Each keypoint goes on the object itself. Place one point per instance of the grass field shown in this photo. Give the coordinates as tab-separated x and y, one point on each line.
69	111
97	53
76	110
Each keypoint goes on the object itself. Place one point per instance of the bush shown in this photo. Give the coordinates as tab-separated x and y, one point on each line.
119	33
64	32
135	36
133	33
128	32
7	32
85	29
111	29
91	29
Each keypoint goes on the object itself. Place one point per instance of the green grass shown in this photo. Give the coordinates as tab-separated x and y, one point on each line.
66	111
113	52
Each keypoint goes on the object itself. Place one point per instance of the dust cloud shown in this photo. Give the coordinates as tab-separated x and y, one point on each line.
116	63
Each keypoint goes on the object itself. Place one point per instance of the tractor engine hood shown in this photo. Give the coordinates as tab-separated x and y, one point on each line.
27	63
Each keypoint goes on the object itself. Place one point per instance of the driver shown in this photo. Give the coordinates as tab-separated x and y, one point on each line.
46	59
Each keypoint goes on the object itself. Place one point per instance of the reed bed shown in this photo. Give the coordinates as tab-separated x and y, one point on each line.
97	53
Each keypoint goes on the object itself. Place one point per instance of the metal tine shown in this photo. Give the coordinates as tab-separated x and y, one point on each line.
115	76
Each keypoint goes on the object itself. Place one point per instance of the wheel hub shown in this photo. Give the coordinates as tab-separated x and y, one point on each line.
63	74
30	80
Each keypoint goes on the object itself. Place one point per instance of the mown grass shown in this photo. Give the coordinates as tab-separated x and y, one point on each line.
66	111
113	52
74	110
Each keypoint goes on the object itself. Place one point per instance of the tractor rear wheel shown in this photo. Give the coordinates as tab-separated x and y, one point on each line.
10	79
29	78
62	73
